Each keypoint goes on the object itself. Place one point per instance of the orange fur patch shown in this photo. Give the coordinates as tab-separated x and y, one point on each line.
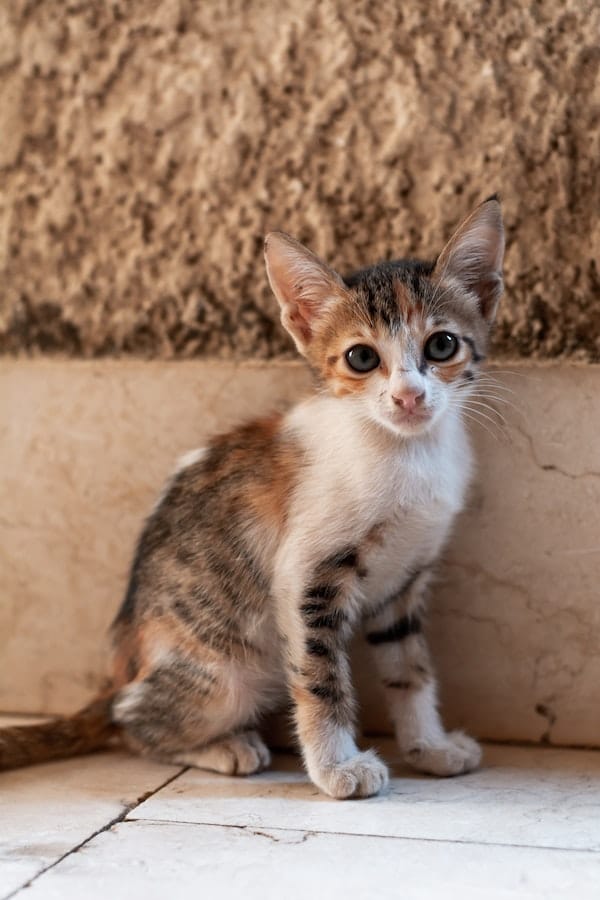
406	306
343	327
126	656
451	371
270	502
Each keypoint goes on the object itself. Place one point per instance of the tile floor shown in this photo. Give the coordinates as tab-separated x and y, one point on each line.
110	826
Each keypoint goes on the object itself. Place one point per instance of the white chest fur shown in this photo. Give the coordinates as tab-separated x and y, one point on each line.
358	477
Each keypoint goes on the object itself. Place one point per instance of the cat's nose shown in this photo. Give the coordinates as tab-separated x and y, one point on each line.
408	400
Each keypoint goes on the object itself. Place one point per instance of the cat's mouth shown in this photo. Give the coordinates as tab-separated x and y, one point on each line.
415	417
413	421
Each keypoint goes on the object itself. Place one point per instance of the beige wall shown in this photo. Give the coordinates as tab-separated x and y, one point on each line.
515	619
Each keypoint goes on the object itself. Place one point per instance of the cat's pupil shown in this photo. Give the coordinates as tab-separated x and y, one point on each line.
362	358
441	346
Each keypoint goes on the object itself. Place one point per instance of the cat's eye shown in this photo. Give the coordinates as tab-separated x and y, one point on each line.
362	358
441	346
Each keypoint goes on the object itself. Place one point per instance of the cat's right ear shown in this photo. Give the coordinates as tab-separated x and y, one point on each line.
304	286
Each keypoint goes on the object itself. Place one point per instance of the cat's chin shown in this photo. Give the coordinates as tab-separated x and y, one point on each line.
408	426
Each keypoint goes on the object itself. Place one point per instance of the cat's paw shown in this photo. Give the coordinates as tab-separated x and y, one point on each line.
453	754
239	754
360	776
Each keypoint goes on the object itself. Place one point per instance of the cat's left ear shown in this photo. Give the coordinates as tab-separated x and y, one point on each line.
474	255
304	286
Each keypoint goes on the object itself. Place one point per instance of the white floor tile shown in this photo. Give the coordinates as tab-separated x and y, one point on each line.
47	810
525	796
152	861
526	826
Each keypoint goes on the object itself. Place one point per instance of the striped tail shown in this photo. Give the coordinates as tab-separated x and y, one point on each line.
87	730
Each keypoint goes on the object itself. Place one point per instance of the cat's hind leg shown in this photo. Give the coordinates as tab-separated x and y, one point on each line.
238	754
183	713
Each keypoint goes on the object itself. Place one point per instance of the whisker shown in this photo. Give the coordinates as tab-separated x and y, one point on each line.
499	432
471	403
470	406
517	374
477	409
493	382
496	399
487	392
473	418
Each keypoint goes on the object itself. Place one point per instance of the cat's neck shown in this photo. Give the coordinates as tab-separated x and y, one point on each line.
368	467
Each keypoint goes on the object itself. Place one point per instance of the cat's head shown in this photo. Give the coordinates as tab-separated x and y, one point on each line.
403	340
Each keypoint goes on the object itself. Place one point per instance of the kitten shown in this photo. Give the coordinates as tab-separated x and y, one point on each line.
269	546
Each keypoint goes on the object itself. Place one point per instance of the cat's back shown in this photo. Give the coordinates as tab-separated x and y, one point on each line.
211	535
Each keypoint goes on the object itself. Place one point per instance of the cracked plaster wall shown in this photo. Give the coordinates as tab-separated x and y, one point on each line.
147	147
515	618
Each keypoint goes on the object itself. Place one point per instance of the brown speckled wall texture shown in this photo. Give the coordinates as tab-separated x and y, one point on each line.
148	145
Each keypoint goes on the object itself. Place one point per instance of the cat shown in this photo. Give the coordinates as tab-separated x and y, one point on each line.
270	545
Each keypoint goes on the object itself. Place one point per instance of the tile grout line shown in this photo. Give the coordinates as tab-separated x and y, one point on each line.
360	834
120	818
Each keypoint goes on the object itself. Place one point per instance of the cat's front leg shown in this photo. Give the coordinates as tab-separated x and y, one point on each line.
394	631
318	628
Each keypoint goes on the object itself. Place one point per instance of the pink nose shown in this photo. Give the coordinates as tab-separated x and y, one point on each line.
408	400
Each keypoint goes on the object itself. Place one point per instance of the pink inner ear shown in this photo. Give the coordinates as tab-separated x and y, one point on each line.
474	256
300	324
302	283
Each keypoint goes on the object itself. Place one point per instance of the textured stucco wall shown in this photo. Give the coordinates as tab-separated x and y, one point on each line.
147	147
